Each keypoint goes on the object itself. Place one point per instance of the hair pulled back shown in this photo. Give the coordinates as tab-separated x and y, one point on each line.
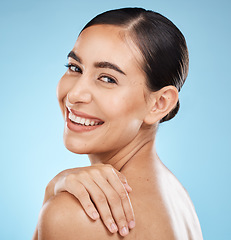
162	45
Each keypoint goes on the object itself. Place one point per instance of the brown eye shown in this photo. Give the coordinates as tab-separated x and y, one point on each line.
73	68
107	79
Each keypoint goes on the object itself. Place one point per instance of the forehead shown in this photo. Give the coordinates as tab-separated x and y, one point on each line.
108	43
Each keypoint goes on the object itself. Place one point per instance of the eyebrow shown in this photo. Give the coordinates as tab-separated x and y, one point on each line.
109	65
71	54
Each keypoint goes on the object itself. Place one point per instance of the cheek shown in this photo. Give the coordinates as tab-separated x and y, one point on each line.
124	115
125	104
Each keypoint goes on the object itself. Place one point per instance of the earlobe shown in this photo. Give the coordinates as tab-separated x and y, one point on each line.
161	103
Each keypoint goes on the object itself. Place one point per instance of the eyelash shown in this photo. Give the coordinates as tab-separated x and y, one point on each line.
79	70
70	66
111	80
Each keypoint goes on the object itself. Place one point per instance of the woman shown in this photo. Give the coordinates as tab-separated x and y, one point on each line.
124	74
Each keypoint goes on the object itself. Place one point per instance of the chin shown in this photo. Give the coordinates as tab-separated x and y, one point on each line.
75	147
78	146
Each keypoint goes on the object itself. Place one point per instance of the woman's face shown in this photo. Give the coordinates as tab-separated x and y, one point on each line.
103	93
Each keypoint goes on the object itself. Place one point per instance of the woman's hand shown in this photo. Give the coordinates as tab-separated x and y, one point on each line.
102	192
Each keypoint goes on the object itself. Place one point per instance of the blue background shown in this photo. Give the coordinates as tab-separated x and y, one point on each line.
35	37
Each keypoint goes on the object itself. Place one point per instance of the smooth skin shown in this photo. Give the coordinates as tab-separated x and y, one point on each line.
102	184
125	142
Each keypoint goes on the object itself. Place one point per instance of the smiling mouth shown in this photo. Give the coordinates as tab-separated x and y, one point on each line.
82	121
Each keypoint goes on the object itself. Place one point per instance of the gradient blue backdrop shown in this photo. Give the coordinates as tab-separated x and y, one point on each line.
35	37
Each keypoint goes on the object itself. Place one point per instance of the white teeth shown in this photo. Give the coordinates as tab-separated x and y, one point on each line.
87	123
78	119
82	121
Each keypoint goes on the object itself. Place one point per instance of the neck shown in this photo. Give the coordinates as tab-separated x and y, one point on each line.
143	146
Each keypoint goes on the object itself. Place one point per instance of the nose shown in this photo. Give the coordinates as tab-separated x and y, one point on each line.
80	92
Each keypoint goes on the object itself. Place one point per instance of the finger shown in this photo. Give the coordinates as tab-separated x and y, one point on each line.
116	204
100	200
123	179
127	187
127	206
84	198
78	190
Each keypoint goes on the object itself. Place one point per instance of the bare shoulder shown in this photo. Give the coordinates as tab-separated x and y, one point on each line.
181	208
162	206
62	217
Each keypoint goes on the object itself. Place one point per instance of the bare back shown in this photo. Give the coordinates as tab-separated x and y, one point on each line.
162	206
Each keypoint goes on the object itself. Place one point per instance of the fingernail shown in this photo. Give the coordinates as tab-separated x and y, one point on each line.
113	228
131	224
124	231
128	187
95	215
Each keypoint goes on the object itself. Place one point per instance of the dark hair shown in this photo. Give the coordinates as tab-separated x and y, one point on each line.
161	43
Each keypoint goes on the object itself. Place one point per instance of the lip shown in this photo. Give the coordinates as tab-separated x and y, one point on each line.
81	128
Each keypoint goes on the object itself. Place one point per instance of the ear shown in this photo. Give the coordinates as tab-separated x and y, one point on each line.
161	103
